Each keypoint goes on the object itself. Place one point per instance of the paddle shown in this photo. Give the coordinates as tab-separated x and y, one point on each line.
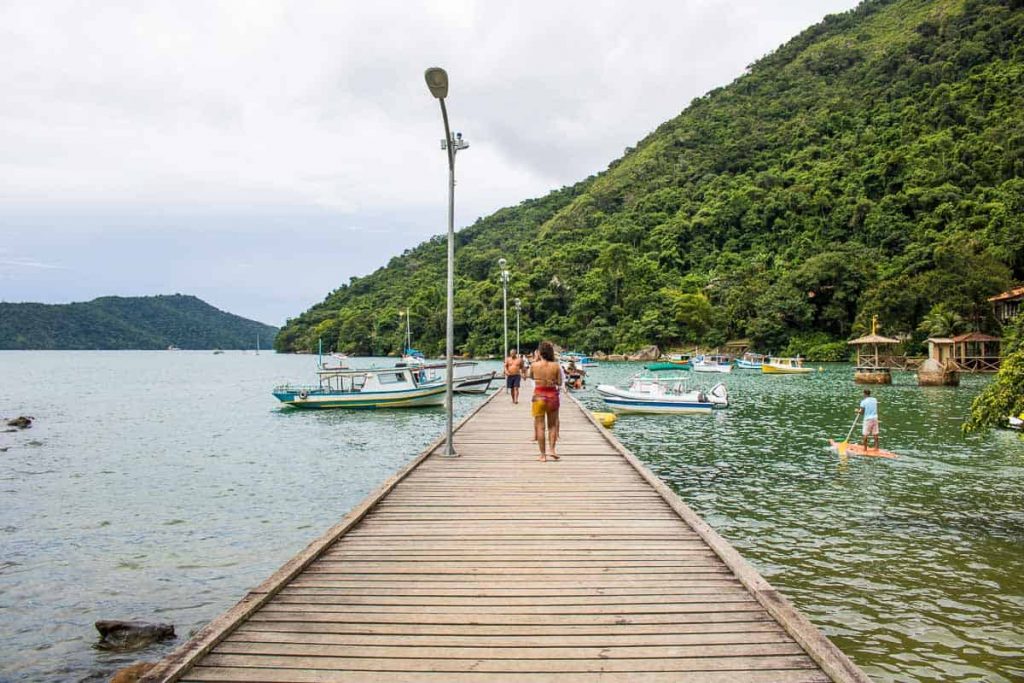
845	443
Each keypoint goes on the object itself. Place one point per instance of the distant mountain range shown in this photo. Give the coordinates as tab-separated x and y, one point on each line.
114	322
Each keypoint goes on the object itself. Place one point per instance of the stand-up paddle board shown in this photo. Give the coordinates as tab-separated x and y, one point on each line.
857	449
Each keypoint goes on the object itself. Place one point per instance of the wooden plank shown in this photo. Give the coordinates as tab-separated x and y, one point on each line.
494	566
260	675
822	650
171	667
401	664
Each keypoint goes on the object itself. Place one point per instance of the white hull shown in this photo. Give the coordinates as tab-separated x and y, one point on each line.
711	368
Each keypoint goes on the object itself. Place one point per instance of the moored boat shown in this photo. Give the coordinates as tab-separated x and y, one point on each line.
712	363
465	378
662	365
364	388
581	360
750	361
662	395
785	366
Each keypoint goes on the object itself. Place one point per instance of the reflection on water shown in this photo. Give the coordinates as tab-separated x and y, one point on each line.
167	484
912	566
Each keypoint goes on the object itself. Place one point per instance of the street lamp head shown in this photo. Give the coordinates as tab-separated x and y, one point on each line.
437	81
502	262
518	302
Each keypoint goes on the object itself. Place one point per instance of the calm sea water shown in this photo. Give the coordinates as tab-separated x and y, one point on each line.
162	486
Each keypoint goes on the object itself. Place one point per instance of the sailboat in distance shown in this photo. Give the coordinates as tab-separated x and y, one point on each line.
257	343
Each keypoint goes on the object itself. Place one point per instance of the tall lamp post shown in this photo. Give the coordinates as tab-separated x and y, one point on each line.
437	83
503	264
519	306
408	329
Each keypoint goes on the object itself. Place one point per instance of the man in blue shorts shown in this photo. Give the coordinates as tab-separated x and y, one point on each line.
869	408
513	374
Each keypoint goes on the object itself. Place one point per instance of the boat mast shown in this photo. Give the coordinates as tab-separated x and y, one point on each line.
257	343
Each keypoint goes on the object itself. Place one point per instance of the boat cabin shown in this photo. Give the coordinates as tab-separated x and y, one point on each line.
350	380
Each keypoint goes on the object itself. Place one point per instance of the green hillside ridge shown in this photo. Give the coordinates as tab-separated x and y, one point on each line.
113	322
874	164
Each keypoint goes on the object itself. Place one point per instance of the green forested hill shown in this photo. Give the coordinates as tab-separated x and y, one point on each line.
872	165
113	322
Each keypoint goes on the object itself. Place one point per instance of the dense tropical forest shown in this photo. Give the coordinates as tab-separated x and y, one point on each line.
873	165
113	322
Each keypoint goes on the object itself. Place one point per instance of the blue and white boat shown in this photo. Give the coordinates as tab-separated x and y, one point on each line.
581	360
750	361
662	395
365	388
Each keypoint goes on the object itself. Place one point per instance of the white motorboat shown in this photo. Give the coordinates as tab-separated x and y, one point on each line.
466	379
364	388
667	395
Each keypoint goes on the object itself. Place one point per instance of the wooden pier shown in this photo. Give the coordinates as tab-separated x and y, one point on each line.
496	567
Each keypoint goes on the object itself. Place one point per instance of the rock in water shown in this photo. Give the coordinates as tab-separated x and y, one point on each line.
21	422
131	674
646	354
131	635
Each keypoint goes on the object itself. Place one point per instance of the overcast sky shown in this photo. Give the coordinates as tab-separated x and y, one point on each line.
257	154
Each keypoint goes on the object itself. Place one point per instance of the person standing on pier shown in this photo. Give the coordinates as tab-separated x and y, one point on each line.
869	408
547	383
513	374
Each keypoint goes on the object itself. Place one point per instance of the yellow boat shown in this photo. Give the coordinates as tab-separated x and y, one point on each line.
785	366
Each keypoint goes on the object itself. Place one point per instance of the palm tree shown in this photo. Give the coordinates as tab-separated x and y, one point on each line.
941	321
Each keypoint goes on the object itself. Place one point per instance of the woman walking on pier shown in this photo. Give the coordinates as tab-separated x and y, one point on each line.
544	406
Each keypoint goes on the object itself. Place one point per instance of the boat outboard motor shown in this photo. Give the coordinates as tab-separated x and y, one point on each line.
719	395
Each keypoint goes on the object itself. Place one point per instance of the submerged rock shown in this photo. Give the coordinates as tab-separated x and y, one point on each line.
21	422
131	635
131	674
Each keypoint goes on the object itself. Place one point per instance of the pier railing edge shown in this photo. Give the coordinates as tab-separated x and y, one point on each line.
178	662
823	651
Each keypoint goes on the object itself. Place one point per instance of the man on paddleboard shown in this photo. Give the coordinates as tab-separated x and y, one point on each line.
869	408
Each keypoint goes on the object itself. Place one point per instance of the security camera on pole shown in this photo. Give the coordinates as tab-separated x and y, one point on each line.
437	82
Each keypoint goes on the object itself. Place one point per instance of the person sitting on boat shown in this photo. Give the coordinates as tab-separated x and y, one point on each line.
869	408
513	374
575	375
548	378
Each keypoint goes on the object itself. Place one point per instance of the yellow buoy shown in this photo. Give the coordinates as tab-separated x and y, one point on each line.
606	419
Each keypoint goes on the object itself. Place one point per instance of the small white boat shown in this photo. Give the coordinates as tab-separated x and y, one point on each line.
364	388
663	395
712	363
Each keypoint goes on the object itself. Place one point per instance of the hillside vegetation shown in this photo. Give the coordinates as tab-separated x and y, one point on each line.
112	322
872	165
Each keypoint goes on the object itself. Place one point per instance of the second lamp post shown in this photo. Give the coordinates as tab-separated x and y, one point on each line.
503	264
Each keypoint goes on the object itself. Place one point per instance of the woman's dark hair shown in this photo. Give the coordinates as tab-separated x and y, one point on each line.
547	351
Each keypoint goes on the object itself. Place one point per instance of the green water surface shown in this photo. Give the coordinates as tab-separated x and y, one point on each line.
162	486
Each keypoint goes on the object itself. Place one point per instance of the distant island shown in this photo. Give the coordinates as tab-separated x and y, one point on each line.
114	322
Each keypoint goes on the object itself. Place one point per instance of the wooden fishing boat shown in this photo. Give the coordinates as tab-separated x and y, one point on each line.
364	388
785	366
751	361
712	363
